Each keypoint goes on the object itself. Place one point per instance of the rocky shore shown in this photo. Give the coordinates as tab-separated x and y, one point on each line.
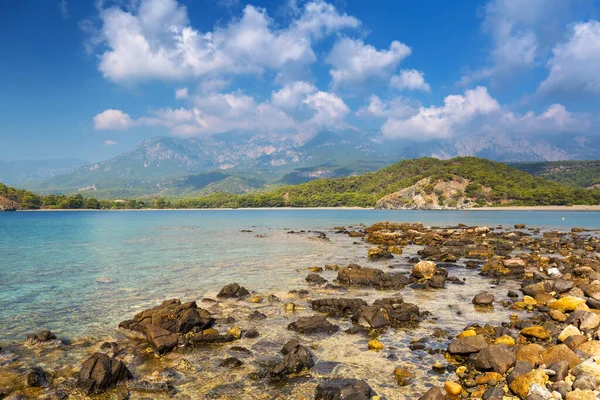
352	320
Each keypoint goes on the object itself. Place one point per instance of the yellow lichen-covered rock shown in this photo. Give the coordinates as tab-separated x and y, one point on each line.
529	300
395	249
567	303
468	332
520	386
256	299
452	388
210	331
505	340
375	345
424	270
536	331
236	332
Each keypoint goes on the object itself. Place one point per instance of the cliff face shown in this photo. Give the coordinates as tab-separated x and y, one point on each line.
430	195
8	205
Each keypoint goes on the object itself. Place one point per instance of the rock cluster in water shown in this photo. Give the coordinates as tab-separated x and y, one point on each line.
548	349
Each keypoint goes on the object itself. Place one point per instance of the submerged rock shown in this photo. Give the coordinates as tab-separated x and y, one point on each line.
354	274
43	336
37	377
388	312
467	345
315	279
343	388
337	307
313	325
296	357
101	373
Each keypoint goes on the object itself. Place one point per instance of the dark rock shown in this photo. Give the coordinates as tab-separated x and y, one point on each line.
437	281
231	362
163	340
313	325
519	226
344	389
483	299
204	338
388	311
435	393
101	373
563	286
40	337
497	357
251	334
37	377
575	340
354	274
315	279
593	303
585	382
233	290
561	370
256	316
493	393
521	368
467	345
172	316
296	357
150	387
337	307
513	294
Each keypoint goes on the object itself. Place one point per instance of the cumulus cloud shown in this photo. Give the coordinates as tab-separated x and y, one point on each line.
441	122
181	93
154	39
398	107
555	119
115	120
292	94
410	79
330	110
575	63
353	61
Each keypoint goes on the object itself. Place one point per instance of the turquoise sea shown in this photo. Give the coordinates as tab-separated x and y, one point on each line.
79	273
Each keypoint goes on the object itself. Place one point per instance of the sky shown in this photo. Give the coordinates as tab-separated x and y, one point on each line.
90	79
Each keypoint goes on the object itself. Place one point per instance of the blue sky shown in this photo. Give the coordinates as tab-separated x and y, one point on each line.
91	79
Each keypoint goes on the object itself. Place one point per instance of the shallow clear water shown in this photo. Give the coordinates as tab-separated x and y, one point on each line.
78	273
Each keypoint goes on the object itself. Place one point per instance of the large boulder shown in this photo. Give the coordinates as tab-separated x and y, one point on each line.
37	377
233	290
296	357
162	339
483	299
313	325
354	274
467	345
101	373
388	312
344	389
424	270
172	316
337	307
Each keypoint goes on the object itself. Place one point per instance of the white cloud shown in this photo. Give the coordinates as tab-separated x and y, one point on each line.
410	79
441	122
63	7
213	85
113	120
110	143
575	64
353	61
330	110
181	93
556	119
154	40
398	107
292	94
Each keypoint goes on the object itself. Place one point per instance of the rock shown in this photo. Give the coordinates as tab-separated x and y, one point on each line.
539	392
233	290
585	320
235	331
344	388
150	387
315	279
375	345
377	253
467	345
581	395
570	330
231	362
536	331
37	377
251	334
574	341
592	348
452	388
208	336
521	368
163	340
403	376
560	352
493	393
467	333
256	299
585	382
531	353
172	316
520	386
43	336
567	303
562	285
435	393
483	299
497	357
313	325
557	315
519	226
388	311
256	316
354	274
561	370
424	270
338	307
505	340
315	269
101	373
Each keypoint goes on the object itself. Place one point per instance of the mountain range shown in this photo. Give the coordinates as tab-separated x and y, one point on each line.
239	163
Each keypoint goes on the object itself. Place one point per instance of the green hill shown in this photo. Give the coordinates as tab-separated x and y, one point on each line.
585	174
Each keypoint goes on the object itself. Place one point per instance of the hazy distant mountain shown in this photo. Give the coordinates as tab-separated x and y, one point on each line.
18	172
239	163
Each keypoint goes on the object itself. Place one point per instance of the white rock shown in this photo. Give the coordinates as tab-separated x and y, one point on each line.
537	389
570	330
